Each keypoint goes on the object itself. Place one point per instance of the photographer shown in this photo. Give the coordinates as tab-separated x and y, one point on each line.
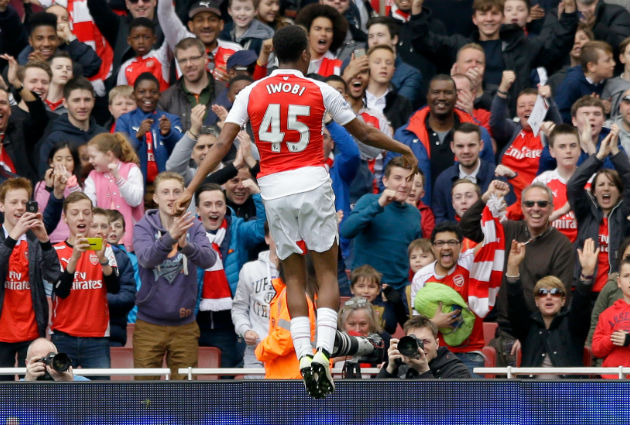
37	370
431	360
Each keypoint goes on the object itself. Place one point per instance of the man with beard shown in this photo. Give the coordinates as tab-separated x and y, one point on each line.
196	86
429	132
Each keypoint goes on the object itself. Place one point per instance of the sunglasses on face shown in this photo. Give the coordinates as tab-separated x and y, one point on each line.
541	204
136	1
357	302
554	292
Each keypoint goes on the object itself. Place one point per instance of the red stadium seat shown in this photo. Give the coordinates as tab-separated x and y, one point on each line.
130	328
121	357
209	357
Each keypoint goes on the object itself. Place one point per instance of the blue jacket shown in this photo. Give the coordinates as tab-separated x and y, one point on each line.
241	236
407	80
343	172
121	303
442	205
382	236
412	139
163	145
572	88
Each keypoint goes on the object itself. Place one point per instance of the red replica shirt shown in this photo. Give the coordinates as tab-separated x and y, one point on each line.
17	320
566	223
83	313
286	111
457	278
603	267
523	157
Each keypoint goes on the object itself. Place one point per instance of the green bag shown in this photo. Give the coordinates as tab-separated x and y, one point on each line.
426	303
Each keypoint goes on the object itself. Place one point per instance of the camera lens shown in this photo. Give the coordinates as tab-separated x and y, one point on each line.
61	362
408	346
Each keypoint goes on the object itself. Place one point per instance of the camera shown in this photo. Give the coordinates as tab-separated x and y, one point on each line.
32	207
408	346
58	361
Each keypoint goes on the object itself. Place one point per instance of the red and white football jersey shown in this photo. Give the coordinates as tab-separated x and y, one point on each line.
566	224
286	111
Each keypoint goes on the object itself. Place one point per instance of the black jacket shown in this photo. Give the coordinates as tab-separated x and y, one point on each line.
21	136
612	23
445	366
588	214
43	264
520	53
120	304
397	109
563	341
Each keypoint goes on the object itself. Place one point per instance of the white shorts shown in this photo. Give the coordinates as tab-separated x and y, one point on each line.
307	216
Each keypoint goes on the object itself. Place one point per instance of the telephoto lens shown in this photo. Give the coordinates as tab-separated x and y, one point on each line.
408	346
59	362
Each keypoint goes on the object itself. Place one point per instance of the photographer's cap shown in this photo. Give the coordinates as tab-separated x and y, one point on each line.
204	6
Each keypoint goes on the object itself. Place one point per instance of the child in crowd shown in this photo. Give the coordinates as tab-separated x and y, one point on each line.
427	219
114	237
157	62
80	319
615	87
596	66
26	258
152	132
516	12
420	255
116	181
258	284
62	72
244	28
120	303
611	340
268	12
121	101
564	147
64	164
464	195
365	281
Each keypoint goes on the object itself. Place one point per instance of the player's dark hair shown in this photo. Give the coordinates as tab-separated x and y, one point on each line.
289	43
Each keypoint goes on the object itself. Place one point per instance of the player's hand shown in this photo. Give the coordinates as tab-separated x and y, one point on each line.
181	204
412	161
251	337
145	127
165	125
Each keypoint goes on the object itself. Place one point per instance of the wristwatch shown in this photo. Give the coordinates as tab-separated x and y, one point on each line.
105	263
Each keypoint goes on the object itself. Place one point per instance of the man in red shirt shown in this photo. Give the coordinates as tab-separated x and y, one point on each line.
26	258
286	113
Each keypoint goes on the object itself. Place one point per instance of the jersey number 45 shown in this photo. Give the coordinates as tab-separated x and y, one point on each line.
271	124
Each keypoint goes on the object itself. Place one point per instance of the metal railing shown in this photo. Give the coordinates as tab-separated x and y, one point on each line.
157	371
512	372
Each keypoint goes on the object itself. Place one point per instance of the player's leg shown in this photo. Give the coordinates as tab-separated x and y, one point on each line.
325	264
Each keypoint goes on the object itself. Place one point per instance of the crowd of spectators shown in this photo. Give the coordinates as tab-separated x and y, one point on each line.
518	112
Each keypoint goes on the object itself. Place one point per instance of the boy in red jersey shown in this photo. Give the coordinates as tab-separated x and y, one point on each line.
287	113
26	258
80	321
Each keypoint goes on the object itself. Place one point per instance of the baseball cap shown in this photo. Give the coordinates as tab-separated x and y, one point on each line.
241	60
204	6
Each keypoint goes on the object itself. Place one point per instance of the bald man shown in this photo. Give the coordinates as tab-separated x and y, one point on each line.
36	370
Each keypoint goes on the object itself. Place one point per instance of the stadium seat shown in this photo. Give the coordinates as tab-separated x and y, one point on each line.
121	357
130	328
587	358
489	331
208	357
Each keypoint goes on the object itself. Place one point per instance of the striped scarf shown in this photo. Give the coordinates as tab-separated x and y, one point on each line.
216	294
486	272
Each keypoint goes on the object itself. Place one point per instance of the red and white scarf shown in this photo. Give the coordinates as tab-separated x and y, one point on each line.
216	294
486	272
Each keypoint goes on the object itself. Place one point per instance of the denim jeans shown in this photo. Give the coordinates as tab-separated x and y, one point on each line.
86	352
228	342
472	360
8	351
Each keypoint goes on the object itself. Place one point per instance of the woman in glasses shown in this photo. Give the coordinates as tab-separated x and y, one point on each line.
554	335
602	210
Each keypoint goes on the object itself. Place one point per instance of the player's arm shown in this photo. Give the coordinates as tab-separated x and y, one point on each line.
374	137
212	159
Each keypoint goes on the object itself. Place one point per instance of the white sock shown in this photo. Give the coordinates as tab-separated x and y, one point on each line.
326	328
301	334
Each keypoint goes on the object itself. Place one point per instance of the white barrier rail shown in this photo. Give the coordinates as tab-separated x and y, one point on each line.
157	371
192	371
511	372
